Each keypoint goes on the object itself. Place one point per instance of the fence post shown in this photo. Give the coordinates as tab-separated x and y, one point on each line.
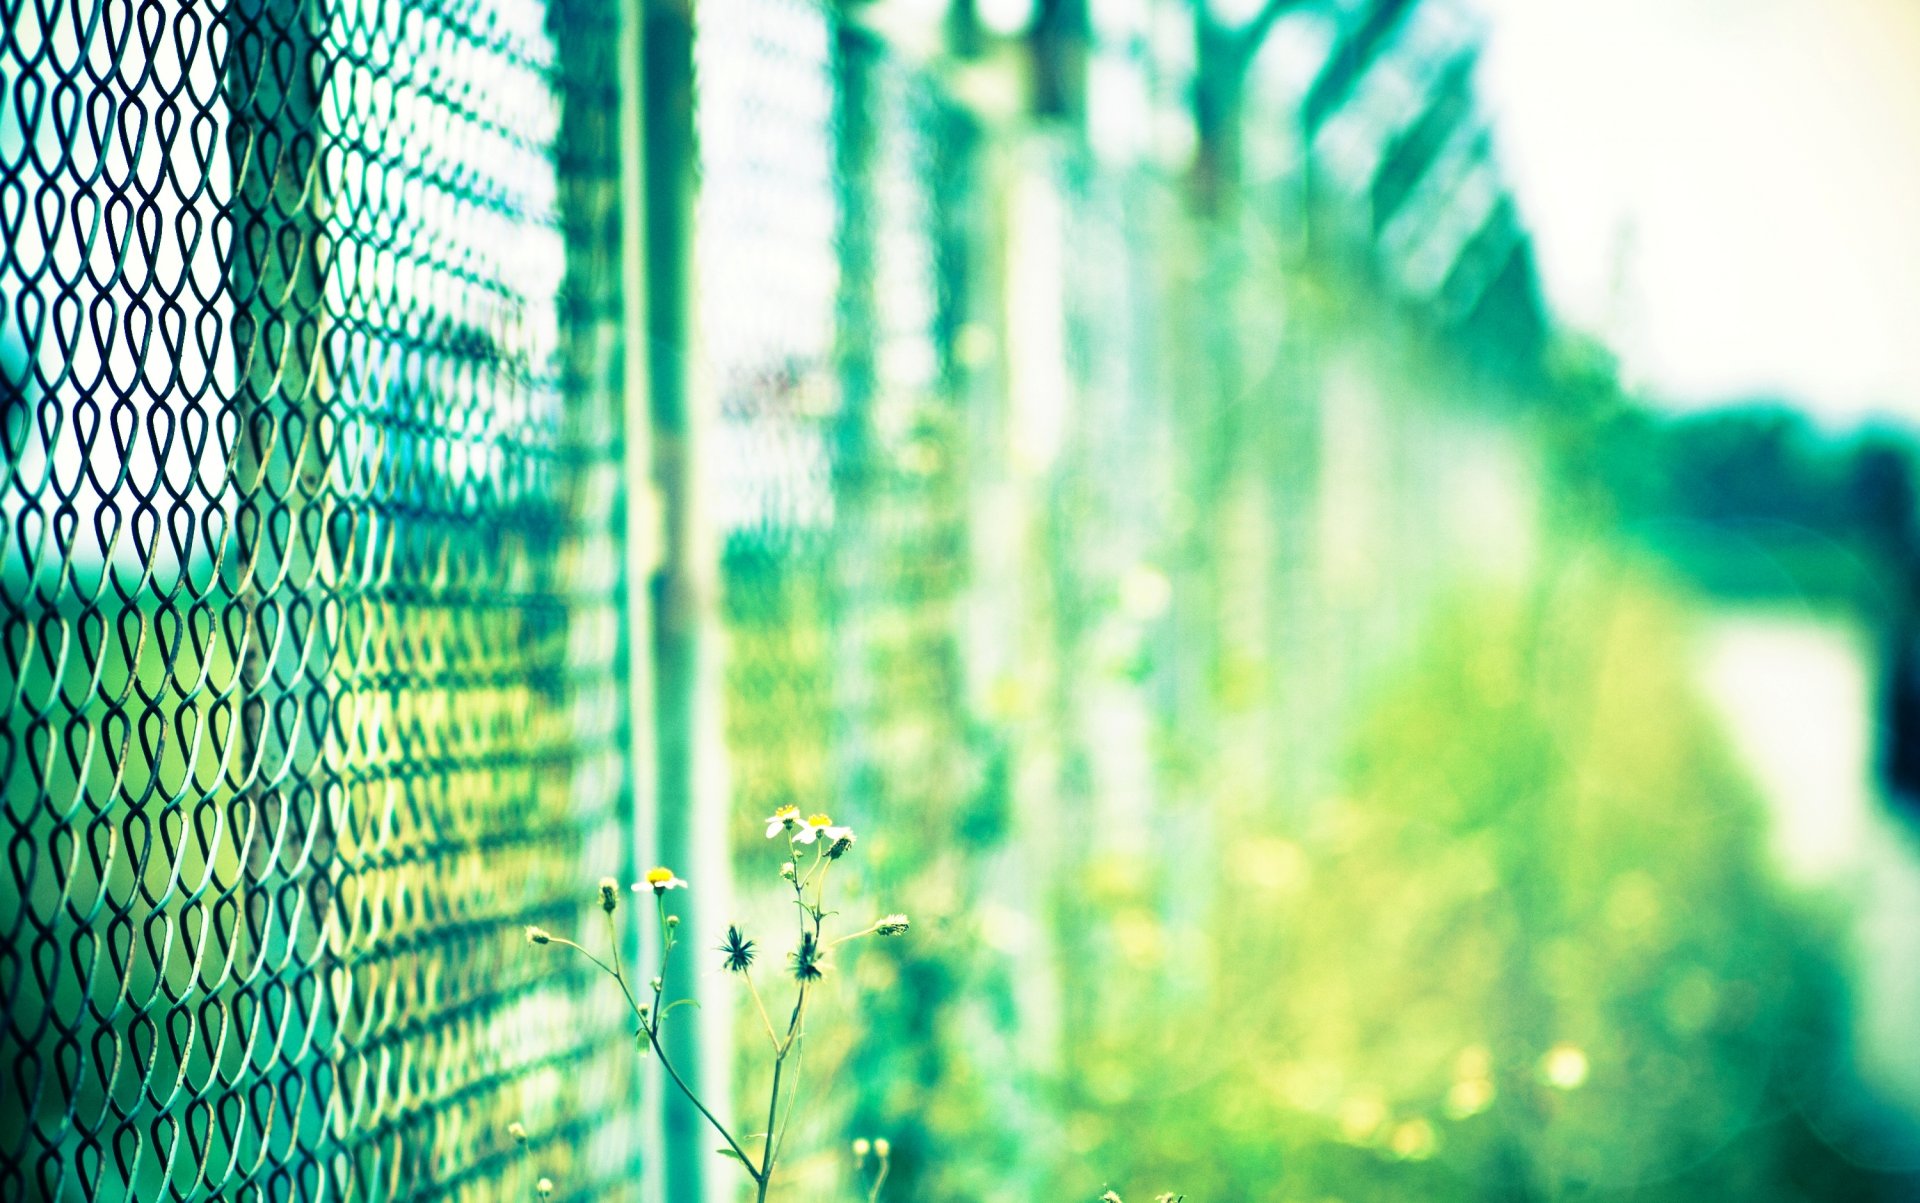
690	817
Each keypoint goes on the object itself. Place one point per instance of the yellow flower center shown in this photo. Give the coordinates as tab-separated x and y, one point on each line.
787	812
660	876
819	820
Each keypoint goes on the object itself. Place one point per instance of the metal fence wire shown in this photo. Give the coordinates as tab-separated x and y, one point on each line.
311	641
330	658
833	269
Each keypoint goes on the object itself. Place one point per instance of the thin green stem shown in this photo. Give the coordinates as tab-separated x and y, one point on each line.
667	1063
766	1138
764	1017
666	951
613	942
767	1151
819	858
820	894
865	931
775	1133
799	898
793	1097
583	952
650	1024
794	1027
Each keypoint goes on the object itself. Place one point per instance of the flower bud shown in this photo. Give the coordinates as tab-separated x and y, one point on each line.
786	870
892	925
840	847
882	1148
609	894
673	921
861	1147
544	1187
518	1131
537	935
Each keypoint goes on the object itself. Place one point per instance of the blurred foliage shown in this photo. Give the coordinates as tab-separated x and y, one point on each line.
1176	572
1757	501
1533	951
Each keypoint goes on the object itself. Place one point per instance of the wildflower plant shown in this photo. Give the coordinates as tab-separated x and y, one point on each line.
811	845
881	1153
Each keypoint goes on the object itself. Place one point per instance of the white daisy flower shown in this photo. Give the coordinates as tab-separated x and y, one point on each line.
787	818
815	826
659	880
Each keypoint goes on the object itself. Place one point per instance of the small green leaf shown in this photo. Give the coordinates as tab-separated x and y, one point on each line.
724	1151
678	1002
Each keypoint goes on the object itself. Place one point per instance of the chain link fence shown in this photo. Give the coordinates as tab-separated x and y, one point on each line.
311	680
1064	524
330	625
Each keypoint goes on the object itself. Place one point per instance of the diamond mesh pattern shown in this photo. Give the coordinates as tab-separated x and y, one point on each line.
831	264
311	688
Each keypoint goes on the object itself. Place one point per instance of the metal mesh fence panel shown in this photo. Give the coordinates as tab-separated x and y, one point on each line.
768	279
310	661
830	271
909	752
1019	453
1036	566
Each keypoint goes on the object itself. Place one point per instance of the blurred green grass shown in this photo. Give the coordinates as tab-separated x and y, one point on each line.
1532	950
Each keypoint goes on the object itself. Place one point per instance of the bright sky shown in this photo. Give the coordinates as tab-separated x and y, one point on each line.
1727	191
